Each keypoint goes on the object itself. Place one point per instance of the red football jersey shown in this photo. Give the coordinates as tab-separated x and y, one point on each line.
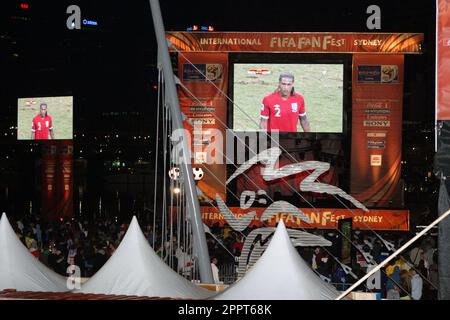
282	114
41	127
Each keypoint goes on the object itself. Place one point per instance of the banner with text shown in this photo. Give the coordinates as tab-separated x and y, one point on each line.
377	102
319	218
295	42
203	101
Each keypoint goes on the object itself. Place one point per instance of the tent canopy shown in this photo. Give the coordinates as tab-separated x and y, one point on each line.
20	270
280	274
135	269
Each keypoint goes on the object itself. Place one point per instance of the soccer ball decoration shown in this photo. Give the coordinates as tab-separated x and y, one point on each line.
198	173
174	173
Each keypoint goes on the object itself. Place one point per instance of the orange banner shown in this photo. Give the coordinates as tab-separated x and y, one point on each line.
65	179
296	42
377	102
443	61
320	218
57	183
203	101
49	181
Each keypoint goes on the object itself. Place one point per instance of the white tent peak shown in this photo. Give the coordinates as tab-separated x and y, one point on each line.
20	270
281	226
281	243
280	274
134	222
135	269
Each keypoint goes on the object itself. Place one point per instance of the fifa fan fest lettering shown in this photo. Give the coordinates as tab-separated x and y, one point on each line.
324	219
302	42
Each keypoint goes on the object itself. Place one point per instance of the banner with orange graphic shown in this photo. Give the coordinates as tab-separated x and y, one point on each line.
377	102
203	102
295	42
49	181
443	61
57	179
65	179
319	218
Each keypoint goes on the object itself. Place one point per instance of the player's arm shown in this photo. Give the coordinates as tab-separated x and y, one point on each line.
33	131
304	122
50	130
302	116
265	111
263	123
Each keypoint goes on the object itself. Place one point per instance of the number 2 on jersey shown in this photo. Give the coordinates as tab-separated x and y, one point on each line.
278	110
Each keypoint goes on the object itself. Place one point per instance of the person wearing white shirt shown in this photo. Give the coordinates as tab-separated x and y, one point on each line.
416	285
215	270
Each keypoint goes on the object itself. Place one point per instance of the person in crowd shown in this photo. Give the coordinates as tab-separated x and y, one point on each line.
45	253
215	270
316	258
393	293
416	285
405	285
324	267
72	255
20	226
99	258
34	248
238	245
433	276
339	278
393	278
57	262
415	255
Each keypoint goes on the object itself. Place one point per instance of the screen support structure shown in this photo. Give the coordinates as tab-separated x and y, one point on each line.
192	203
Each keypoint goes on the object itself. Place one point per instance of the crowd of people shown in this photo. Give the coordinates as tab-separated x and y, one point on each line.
60	243
89	245
411	275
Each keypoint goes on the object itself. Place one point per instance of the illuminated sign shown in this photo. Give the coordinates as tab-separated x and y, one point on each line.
74	20
375	160
376	134
90	22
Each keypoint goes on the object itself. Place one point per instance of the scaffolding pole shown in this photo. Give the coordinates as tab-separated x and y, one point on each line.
192	203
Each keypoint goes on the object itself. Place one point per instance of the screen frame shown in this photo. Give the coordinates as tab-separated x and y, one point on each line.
40	96
296	58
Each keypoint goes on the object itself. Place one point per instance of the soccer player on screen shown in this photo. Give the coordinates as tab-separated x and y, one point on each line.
42	128
282	109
